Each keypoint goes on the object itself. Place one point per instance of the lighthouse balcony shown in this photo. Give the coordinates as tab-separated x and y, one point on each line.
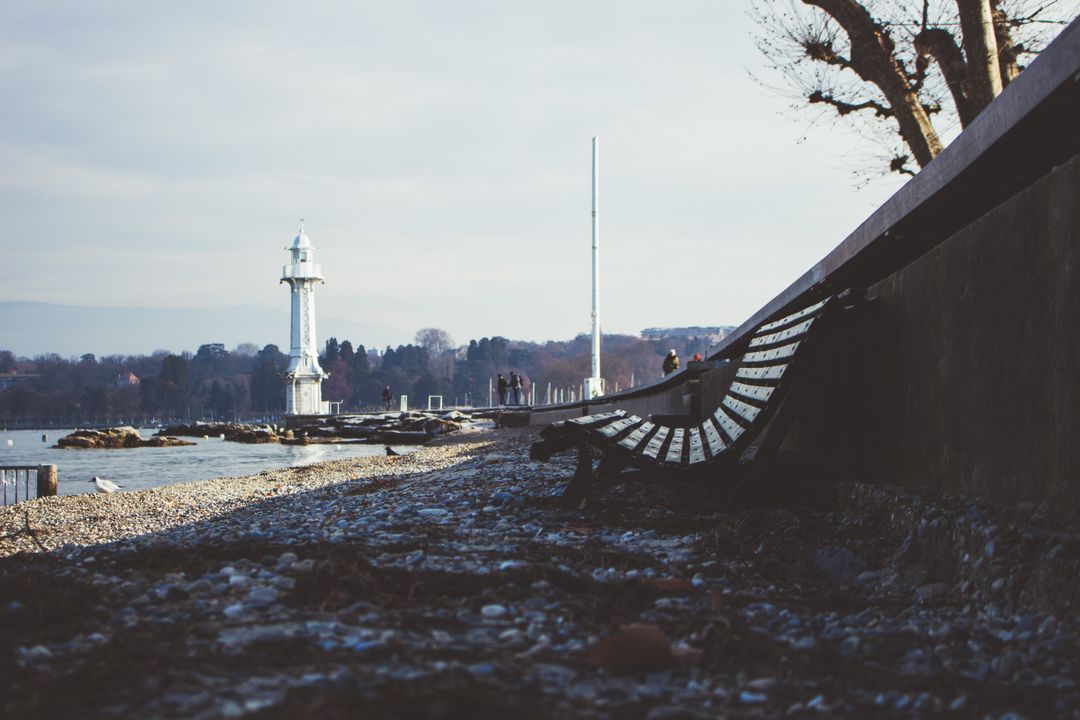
302	271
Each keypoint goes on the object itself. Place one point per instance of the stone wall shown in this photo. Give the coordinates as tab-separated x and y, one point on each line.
980	363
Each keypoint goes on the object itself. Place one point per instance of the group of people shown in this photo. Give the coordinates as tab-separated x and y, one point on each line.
671	361
511	390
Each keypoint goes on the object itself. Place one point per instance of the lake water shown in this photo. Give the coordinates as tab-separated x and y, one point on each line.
146	467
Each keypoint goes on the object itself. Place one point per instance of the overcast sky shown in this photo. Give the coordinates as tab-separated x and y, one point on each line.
160	154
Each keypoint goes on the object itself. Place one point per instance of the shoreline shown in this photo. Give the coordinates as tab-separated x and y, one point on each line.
85	519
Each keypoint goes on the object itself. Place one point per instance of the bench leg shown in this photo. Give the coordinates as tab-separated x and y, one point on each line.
577	492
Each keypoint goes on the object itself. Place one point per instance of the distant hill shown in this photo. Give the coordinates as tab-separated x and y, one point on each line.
30	328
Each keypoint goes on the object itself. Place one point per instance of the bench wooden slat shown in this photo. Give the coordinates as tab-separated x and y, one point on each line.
674	452
599	417
761	393
697	453
778	353
766	372
792	318
785	334
712	436
612	429
744	410
652	450
732	428
631	441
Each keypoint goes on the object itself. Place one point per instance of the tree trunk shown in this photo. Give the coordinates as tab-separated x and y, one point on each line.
1008	59
941	46
980	47
873	59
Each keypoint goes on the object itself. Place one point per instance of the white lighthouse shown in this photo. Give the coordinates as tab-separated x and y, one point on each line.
303	393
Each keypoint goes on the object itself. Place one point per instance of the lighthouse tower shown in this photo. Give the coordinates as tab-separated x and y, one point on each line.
303	394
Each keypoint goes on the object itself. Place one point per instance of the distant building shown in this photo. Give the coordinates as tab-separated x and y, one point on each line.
127	379
214	350
712	334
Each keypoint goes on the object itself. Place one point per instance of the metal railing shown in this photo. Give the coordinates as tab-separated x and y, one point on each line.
12	477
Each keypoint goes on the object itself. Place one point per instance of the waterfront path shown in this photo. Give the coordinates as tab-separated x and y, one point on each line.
449	583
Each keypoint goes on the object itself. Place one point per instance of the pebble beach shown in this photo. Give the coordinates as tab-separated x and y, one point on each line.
451	583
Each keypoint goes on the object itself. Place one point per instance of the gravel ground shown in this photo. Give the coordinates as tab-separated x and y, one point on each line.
449	583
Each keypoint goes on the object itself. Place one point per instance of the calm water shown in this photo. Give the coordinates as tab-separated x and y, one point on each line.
137	468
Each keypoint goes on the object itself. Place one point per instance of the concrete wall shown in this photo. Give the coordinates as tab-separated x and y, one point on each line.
980	367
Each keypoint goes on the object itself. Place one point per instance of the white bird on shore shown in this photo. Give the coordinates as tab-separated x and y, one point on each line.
104	486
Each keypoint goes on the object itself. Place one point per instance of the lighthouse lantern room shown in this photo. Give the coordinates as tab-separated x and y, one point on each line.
303	392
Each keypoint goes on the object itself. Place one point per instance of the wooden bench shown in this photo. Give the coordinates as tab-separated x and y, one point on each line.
758	393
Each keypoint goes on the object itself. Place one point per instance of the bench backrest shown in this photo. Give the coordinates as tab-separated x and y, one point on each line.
754	394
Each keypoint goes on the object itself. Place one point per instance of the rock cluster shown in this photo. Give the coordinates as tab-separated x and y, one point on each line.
237	432
395	428
117	437
450	583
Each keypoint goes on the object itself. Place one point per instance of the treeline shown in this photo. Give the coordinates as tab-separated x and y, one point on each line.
248	382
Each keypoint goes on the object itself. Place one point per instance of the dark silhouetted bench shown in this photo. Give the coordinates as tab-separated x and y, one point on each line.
759	391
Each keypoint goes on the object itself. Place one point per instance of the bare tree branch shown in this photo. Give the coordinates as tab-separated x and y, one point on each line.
899	164
902	61
873	59
843	108
942	47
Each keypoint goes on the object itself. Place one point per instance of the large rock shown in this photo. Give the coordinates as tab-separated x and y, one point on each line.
164	441
254	436
114	438
202	429
409	428
233	432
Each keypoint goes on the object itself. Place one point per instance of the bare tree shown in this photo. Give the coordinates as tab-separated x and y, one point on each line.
435	340
904	73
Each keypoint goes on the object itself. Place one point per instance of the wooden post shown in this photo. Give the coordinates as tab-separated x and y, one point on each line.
46	480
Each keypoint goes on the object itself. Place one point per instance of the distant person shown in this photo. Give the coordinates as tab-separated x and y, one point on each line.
671	362
501	385
515	387
697	357
387	398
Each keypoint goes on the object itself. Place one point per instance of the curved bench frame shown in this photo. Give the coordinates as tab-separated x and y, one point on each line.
757	395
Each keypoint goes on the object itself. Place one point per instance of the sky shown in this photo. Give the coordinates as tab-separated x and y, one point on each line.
161	154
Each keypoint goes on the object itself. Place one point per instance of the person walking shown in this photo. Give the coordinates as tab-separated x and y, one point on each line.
500	385
671	362
387	398
515	387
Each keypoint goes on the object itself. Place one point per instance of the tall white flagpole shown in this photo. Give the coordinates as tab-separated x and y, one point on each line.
594	385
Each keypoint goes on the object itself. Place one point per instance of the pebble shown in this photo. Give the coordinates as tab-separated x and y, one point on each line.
263	596
493	611
234	611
